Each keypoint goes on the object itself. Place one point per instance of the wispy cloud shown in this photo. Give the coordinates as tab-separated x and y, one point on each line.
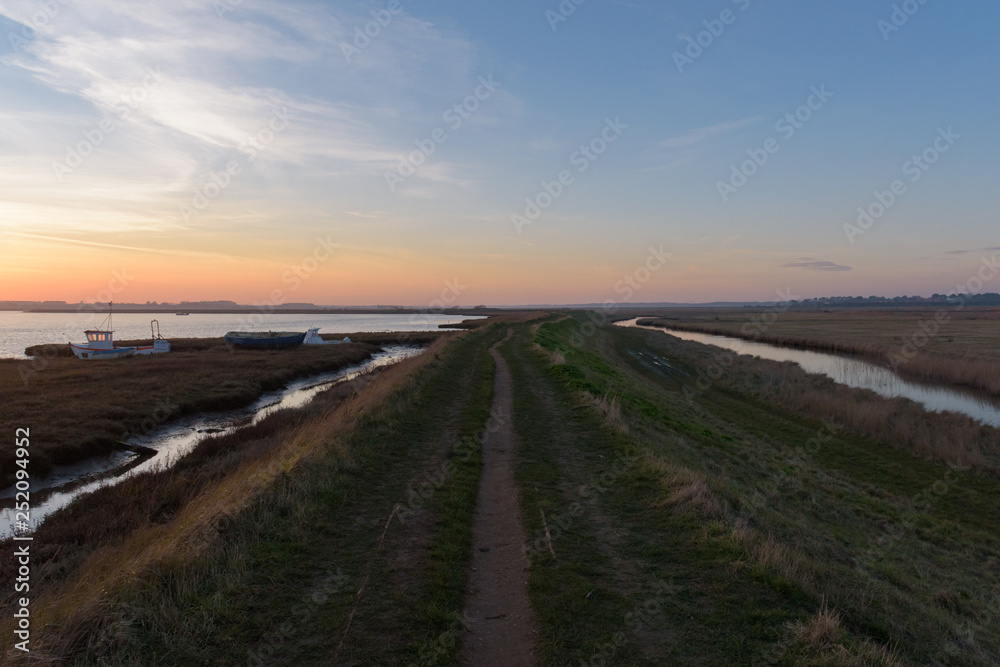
93	244
221	82
694	137
966	252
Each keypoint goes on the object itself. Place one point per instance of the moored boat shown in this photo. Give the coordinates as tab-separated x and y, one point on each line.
160	344
269	340
101	343
313	338
100	346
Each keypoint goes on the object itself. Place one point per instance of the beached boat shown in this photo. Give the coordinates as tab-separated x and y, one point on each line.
313	338
269	340
101	343
160	344
182	314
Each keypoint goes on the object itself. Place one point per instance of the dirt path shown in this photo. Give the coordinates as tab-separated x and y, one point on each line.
502	626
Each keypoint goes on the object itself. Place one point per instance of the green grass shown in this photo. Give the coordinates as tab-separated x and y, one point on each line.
883	535
632	582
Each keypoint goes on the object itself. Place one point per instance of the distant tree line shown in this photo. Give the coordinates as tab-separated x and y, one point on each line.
990	299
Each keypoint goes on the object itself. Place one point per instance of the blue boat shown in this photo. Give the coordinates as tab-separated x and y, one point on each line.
264	340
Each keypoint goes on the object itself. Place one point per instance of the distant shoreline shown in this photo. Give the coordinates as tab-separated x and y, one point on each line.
278	311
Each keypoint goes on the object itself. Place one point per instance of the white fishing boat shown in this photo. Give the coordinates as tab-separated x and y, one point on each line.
101	343
313	338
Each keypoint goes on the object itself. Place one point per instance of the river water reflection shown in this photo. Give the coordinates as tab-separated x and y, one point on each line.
175	440
851	372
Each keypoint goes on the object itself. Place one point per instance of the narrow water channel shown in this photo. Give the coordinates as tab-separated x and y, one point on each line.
176	439
851	372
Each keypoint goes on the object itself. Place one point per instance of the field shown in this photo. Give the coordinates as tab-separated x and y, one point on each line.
741	524
957	346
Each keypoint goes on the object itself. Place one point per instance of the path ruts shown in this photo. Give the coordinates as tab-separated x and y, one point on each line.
502	626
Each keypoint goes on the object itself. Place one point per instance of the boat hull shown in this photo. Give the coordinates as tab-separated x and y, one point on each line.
269	340
84	352
159	346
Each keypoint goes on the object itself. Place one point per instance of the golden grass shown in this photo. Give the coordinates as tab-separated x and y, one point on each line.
608	406
822	638
555	357
822	630
947	437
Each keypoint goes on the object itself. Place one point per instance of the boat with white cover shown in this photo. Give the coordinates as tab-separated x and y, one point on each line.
313	338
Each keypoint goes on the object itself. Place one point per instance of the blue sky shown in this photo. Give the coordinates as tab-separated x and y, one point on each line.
197	79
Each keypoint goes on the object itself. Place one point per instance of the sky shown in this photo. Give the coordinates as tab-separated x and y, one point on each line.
518	152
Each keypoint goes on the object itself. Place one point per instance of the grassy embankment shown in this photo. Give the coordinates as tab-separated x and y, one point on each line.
260	541
78	409
956	346
773	538
727	529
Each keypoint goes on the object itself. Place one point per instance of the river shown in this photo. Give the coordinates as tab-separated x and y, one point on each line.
176	439
851	372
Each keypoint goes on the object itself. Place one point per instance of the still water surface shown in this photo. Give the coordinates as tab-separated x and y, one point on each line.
853	373
21	330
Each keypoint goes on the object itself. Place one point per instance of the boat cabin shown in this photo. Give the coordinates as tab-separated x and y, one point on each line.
100	340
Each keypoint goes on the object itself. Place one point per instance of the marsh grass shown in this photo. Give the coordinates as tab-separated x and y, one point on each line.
899	422
79	409
965	351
